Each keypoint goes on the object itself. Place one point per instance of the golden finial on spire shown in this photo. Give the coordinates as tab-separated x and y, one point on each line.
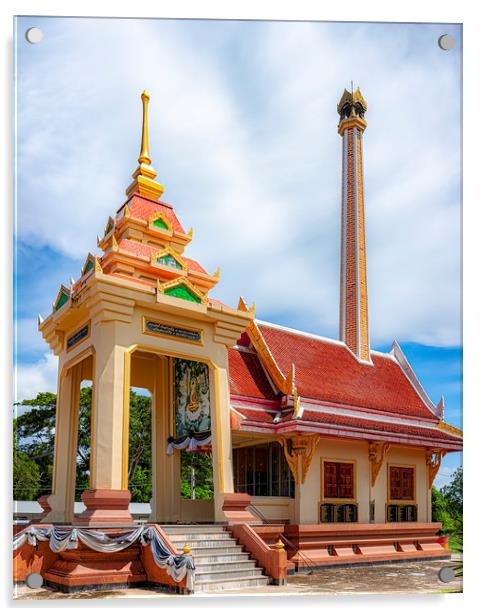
144	175
351	109
144	153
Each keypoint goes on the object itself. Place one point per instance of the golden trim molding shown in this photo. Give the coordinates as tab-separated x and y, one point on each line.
433	459
302	448
449	429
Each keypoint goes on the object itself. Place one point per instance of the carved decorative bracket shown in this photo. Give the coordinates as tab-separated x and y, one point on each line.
433	458
299	447
376	454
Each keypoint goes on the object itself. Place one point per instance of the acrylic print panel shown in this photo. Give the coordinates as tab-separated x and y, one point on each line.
279	201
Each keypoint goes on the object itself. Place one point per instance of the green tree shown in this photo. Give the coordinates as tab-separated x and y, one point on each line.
440	512
26	474
140	448
34	432
203	475
447	505
453	495
453	492
26	477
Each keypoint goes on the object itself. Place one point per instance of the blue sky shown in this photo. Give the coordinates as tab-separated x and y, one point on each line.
243	136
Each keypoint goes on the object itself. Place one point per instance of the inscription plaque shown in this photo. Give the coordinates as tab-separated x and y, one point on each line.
168	330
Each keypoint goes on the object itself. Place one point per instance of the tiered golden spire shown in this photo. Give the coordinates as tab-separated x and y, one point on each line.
351	109
144	175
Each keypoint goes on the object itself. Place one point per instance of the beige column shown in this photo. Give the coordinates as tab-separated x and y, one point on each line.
221	437
303	500
166	470
62	498
108	499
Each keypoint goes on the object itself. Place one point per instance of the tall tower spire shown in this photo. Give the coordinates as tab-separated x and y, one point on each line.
353	275
145	175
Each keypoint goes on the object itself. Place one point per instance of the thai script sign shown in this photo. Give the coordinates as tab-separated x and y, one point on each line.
167	330
77	337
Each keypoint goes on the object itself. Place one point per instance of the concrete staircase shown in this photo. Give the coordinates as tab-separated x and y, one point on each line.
221	564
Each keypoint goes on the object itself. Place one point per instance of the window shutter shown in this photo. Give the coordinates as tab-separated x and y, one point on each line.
329	480
395	483
407	483
345	483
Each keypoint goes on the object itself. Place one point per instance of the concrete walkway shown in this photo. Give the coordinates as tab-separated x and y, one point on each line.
388	579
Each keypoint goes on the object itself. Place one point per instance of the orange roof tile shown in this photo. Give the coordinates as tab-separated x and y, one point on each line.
327	371
143	250
143	208
247	376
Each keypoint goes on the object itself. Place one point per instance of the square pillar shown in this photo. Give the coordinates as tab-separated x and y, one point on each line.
61	501
221	437
108	498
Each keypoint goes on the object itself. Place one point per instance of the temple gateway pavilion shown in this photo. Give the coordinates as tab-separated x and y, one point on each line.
325	445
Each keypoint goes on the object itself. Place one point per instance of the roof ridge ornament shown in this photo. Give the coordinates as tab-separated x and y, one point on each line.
144	176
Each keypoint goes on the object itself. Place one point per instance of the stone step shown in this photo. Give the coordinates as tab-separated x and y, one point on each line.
224	567
191	528
236	574
222	558
207	543
221	585
210	551
199	537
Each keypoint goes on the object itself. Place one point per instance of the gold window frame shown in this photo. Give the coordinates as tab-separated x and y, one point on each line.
337	501
402	501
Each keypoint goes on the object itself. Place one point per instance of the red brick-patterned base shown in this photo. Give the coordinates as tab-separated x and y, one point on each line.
235	509
328	545
83	568
105	507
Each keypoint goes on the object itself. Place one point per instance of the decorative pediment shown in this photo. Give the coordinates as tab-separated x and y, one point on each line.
169	258
62	298
109	226
88	265
91	263
182	288
159	222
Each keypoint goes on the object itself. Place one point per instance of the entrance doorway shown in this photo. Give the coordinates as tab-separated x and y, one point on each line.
178	482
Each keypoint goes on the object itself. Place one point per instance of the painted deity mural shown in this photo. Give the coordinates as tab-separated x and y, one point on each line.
193	411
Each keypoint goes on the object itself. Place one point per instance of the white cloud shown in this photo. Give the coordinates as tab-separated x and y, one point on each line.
28	338
243	134
32	378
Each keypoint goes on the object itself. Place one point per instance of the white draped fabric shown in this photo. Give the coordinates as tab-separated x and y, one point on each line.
178	566
190	443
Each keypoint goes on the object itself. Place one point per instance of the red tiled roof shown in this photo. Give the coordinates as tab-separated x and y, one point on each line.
247	377
132	279
143	250
328	372
137	248
383	426
253	415
194	265
143	208
334	421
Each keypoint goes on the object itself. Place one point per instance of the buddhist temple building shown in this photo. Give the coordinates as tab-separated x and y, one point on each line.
308	436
